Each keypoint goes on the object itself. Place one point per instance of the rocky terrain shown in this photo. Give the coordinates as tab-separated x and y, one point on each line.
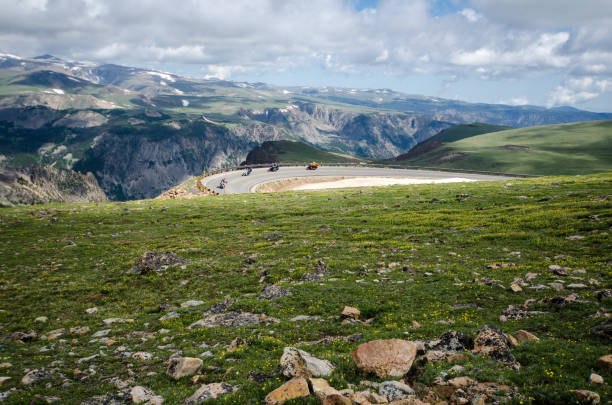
479	293
39	185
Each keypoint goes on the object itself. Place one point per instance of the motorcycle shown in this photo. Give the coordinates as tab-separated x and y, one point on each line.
222	184
273	168
312	166
247	172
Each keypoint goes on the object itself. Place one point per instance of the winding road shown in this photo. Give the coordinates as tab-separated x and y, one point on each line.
239	184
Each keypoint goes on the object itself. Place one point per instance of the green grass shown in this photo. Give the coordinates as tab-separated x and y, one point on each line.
578	148
464	131
408	230
288	151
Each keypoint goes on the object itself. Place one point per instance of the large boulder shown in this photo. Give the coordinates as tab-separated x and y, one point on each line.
294	388
183	366
491	342
298	363
452	341
385	358
273	292
232	319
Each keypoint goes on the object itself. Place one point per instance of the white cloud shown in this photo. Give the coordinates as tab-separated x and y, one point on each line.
490	39
577	90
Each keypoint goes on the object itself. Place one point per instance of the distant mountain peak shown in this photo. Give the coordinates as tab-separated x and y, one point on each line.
48	57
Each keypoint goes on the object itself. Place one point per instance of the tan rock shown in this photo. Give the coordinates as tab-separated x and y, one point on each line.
294	388
351	312
374	398
183	366
79	330
605	362
512	340
359	399
522	335
587	397
336	399
321	388
385	358
4	379
461	382
415	325
515	287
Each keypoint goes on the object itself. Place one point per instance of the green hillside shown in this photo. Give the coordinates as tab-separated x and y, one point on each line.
577	148
288	151
449	257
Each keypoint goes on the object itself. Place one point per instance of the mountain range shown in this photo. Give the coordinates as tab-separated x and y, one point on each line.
141	131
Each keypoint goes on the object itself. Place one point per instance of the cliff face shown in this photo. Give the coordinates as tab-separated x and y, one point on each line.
135	166
38	184
376	135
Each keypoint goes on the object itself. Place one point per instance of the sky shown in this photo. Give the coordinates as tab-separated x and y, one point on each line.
539	52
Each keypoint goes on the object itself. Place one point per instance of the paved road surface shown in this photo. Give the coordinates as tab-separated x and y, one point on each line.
238	184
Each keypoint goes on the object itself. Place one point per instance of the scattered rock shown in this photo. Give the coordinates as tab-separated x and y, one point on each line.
110	321
520	311
452	341
558	270
210	391
142	394
79	330
41	319
515	288
604	329
337	399
492	343
232	319
605	362
4	379
596	379
101	333
395	390
298	363
522	335
355	337
319	272
497	266
587	397
118	398
305	318
415	325
169	315
294	388
142	356
576	286
273	292
321	388
31	335
156	261
575	237
35	376
350	312
556	286
192	303
385	358
604	294
183	366
461	382
91	311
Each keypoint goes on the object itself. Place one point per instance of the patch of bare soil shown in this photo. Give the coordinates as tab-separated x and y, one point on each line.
516	147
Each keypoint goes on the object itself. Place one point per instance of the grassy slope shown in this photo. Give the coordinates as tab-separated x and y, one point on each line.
41	274
578	148
288	151
463	131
